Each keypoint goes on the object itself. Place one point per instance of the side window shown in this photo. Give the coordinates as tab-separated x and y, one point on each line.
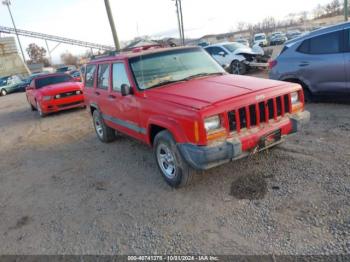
304	47
326	44
209	50
89	75
103	76
347	42
217	50
119	76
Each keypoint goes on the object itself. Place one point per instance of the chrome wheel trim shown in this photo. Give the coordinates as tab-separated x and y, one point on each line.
237	67
98	127
166	160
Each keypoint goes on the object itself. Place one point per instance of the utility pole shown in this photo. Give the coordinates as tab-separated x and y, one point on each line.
8	3
111	22
346	10
182	23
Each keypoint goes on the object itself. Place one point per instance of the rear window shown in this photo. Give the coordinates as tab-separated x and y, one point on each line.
41	82
89	75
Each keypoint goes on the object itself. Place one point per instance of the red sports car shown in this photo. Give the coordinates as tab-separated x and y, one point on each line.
54	92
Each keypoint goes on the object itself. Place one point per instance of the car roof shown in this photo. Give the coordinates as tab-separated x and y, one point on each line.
320	31
223	43
132	54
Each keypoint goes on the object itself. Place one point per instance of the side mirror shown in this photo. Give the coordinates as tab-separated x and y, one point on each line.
222	54
125	90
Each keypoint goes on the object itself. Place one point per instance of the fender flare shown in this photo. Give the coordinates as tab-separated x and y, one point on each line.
301	79
168	123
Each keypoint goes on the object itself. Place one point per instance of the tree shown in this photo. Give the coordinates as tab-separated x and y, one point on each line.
69	59
37	55
241	26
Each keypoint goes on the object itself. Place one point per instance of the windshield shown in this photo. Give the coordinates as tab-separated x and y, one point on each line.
260	37
234	46
172	66
41	82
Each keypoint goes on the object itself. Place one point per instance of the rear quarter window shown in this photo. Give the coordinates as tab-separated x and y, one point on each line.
90	75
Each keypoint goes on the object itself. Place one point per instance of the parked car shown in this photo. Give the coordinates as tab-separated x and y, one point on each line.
293	34
76	75
54	92
260	39
319	61
11	84
278	39
65	69
242	41
183	104
26	81
234	56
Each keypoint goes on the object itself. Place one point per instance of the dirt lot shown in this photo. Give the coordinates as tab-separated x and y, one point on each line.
64	192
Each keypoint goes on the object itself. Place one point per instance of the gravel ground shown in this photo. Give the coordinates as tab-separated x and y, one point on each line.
64	192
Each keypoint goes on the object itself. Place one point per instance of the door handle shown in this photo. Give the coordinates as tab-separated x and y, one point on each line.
97	93
304	63
112	96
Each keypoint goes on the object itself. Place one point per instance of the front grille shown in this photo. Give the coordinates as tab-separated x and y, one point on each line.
252	115
71	104
67	94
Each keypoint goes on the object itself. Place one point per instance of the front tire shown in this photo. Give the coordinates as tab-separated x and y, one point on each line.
3	92
172	166
238	68
40	111
103	132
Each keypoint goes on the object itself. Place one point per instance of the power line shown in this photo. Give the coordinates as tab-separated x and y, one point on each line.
59	39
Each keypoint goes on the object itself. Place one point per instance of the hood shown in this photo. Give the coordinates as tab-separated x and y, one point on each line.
245	50
202	92
61	88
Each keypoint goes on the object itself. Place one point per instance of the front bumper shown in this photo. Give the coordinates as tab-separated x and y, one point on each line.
55	105
205	157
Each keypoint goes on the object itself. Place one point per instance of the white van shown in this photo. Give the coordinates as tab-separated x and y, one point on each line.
260	39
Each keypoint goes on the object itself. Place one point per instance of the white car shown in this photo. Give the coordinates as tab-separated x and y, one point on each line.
260	39
232	56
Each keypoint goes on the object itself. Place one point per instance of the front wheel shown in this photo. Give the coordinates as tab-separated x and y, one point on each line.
104	132
173	168
40	111
238	68
3	92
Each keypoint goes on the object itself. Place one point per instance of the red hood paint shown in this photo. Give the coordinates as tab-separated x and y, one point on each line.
202	92
61	88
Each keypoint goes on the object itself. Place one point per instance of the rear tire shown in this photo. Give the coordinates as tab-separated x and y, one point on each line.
175	171
3	92
103	132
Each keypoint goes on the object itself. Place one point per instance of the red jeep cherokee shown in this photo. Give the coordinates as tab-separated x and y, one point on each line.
194	114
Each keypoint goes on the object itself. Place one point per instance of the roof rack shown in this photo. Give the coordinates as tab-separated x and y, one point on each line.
106	54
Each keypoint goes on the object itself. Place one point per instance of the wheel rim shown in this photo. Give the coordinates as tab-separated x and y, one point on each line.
166	161
3	92
237	68
98	127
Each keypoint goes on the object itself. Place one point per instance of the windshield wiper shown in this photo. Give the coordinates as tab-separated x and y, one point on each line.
165	82
201	74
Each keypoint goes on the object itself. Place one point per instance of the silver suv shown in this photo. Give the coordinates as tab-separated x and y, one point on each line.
319	61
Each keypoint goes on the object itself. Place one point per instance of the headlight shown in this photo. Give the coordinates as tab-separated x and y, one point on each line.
295	98
46	98
57	96
78	92
212	123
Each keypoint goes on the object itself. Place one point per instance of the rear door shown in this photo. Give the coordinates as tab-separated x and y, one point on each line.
322	63
347	57
102	87
89	85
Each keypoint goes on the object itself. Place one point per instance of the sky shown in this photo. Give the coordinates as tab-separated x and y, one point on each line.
87	20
